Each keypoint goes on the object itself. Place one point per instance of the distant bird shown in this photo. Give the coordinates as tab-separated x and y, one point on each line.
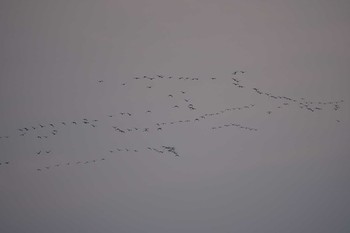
149	86
128	114
148	111
63	123
52	125
124	84
183	92
38	153
48	151
170	95
100	81
176	106
213	78
122	131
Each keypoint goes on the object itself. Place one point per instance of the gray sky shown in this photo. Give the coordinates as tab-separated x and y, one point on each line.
289	175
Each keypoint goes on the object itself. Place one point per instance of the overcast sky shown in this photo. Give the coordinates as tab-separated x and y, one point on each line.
263	150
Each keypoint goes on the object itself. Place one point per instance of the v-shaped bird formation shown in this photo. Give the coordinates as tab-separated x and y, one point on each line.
182	104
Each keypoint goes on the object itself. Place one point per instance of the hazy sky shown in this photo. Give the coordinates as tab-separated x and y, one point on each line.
291	174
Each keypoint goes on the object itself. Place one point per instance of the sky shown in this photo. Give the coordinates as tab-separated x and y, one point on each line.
174	116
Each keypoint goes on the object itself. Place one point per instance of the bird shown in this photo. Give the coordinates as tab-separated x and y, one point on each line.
38	153
170	95
100	81
122	131
176	106
149	86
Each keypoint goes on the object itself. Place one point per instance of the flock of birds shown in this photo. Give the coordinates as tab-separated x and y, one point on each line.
49	130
